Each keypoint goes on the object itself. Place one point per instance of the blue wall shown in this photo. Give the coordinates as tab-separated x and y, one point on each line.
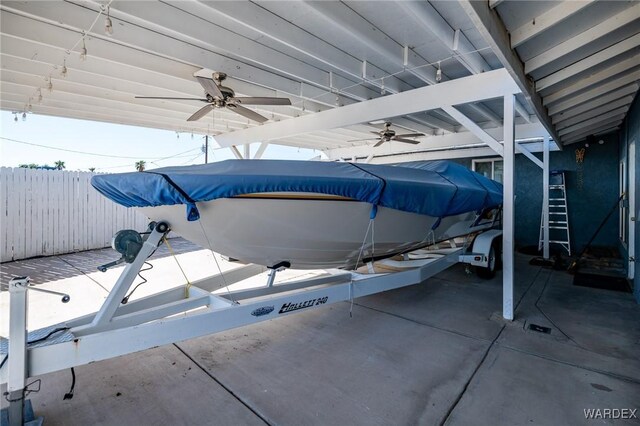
588	205
631	131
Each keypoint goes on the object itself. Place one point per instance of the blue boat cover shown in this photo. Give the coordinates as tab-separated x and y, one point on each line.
434	188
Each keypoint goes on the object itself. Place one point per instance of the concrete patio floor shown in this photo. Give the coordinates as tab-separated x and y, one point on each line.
430	354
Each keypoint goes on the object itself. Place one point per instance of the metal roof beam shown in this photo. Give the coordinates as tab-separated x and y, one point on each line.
487	85
589	62
591	94
605	27
495	34
546	20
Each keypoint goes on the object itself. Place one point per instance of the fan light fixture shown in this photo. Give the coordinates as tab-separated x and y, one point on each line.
219	96
439	74
64	68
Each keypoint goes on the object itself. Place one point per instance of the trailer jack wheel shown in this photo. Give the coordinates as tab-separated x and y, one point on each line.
490	271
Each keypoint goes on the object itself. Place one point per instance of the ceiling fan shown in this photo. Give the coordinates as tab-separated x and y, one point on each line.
387	135
219	96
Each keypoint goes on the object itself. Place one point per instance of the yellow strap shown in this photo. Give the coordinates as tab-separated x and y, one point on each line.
188	286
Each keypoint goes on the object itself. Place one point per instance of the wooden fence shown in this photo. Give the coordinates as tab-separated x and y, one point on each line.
47	212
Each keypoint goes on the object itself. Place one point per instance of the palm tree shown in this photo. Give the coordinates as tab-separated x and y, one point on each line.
59	165
140	165
92	169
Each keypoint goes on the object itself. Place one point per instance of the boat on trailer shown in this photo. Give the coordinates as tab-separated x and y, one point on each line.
311	214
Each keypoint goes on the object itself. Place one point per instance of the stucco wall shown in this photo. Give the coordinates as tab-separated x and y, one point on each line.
588	204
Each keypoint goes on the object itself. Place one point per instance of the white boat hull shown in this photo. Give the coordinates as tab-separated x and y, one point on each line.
307	233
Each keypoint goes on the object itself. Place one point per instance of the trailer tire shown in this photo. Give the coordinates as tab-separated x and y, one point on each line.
490	271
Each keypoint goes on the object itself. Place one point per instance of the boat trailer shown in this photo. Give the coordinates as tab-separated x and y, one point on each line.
192	311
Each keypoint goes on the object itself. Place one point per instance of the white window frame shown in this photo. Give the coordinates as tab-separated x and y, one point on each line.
491	160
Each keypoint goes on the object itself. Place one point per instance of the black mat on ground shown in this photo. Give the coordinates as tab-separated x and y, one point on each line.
602	281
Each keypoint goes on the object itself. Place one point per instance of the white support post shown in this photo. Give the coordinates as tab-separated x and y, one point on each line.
247	151
258	155
235	152
17	348
508	207
545	197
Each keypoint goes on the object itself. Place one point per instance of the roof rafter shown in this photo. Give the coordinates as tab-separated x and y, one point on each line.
493	31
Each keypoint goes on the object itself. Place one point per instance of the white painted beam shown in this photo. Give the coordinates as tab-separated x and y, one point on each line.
591	94
610	116
605	27
616	70
508	209
545	198
525	151
605	128
140	38
468	89
85	115
346	21
593	129
451	141
624	96
589	62
495	34
236	153
620	103
261	149
546	20
474	128
251	17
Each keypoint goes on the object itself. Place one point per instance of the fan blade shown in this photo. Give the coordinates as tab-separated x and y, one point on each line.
178	99
210	87
201	112
405	140
262	101
376	133
379	143
251	115
410	135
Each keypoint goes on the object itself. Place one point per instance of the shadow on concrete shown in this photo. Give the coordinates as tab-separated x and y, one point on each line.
52	268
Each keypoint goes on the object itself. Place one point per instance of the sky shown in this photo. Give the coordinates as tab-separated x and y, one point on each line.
118	147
